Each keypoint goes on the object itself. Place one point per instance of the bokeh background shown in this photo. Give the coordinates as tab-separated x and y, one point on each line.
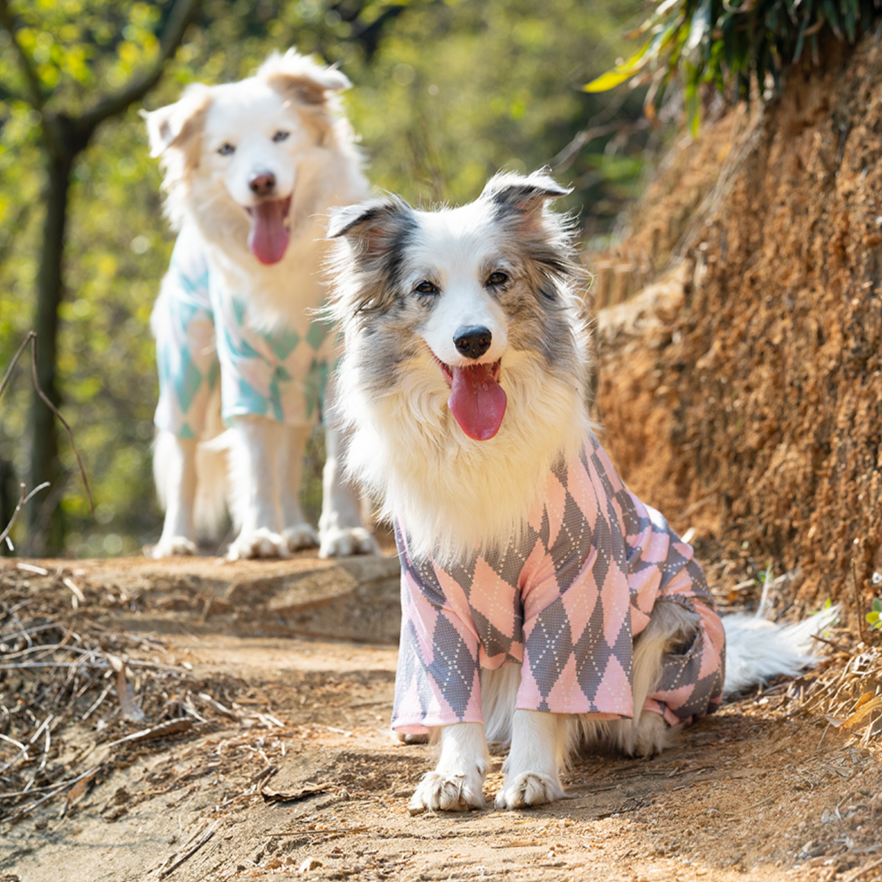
445	93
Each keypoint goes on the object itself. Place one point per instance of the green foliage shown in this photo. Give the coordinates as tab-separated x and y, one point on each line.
463	89
735	45
874	617
445	94
75	45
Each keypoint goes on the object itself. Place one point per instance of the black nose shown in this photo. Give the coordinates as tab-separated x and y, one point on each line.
263	184
473	341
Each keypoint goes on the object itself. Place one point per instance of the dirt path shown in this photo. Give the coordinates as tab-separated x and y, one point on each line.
283	766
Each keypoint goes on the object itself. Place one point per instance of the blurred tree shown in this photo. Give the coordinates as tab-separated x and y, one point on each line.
59	49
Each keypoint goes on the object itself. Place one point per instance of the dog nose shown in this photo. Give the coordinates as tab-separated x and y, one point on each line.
263	184
473	341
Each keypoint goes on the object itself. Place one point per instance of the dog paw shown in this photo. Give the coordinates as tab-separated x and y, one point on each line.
410	738
529	789
341	542
257	543
177	545
647	736
448	793
300	536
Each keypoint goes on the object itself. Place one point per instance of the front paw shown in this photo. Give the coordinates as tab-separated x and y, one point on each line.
409	738
258	543
177	545
448	793
299	537
529	788
344	542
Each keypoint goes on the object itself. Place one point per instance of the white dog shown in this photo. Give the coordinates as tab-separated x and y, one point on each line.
251	170
544	605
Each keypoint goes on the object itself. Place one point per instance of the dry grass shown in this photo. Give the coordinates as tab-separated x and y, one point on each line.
77	699
849	695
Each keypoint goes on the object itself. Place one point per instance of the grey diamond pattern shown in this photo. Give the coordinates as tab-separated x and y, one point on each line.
443	646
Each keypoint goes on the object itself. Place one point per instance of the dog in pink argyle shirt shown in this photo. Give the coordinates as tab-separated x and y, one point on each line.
544	605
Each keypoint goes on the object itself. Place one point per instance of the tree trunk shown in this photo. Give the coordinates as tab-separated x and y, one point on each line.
46	529
64	138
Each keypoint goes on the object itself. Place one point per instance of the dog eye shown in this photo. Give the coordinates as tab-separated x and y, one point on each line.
426	287
226	149
280	136
497	278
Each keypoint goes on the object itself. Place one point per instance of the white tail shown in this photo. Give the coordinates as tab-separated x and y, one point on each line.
757	649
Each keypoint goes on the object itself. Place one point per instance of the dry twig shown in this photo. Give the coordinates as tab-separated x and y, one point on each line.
176	862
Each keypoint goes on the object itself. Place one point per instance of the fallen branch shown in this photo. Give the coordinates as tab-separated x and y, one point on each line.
295	795
22	502
54	790
172	727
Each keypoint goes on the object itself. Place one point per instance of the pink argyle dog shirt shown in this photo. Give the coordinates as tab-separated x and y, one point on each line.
567	603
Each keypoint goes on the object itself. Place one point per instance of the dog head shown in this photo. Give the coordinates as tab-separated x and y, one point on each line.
461	291
465	362
233	154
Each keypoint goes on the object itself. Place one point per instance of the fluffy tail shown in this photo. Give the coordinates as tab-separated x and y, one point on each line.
757	649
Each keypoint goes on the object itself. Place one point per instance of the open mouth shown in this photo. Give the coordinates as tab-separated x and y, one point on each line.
477	401
270	229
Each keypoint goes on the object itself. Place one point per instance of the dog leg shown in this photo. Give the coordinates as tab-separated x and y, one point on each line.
255	477
532	769
671	626
457	783
174	468
298	532
499	698
340	526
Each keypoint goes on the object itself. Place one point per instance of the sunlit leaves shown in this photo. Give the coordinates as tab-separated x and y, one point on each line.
456	93
740	45
621	72
73	45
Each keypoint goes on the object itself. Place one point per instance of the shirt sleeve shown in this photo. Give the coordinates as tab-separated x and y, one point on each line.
438	678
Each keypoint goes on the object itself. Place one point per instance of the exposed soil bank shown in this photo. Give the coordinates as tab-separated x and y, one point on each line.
745	398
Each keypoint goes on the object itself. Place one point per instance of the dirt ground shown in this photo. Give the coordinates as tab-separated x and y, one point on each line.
196	733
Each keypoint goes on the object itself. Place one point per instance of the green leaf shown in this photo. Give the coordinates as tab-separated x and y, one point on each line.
620	72
699	26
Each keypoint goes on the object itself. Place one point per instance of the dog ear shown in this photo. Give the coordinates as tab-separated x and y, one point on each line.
295	76
177	125
371	223
526	194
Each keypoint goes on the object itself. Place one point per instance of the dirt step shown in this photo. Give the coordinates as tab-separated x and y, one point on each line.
355	598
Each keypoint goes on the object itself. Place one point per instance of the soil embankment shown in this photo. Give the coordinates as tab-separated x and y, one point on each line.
743	397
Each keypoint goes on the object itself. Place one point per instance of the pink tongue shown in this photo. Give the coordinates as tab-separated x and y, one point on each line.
268	238
476	401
